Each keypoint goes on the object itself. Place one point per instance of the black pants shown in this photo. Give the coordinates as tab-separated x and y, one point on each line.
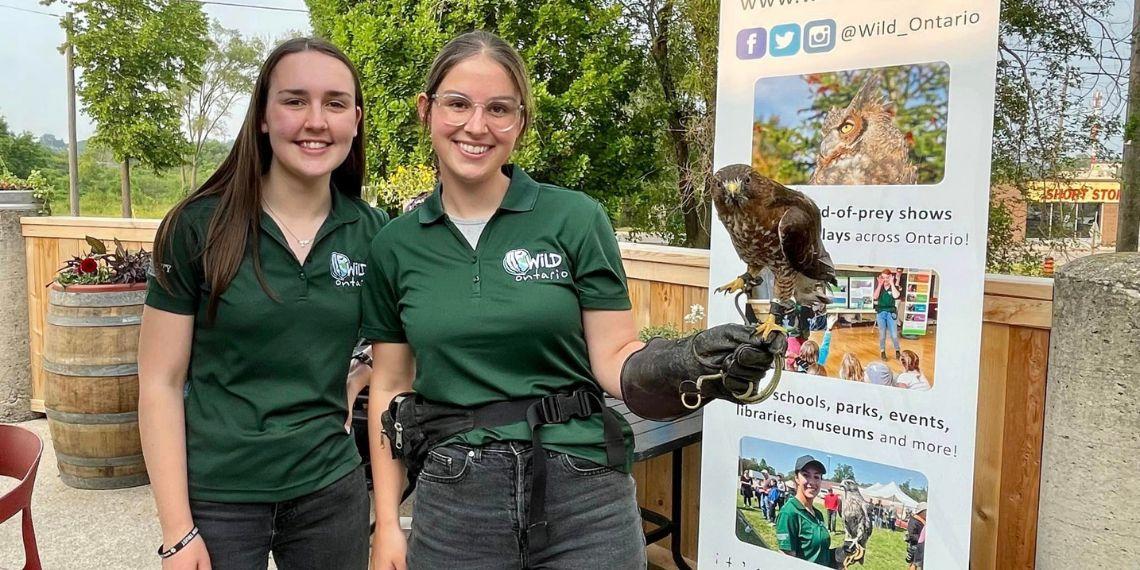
326	529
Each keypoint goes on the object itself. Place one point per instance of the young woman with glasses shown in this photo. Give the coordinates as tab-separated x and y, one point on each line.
499	287
498	294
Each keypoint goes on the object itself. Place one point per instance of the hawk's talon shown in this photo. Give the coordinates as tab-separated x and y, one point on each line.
745	282
856	556
733	286
766	329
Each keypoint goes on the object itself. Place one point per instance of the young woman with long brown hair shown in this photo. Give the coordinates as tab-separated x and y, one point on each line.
251	319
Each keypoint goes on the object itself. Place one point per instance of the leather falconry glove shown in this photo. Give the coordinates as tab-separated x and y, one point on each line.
670	378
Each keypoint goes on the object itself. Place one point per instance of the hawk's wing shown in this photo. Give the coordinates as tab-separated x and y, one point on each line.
856	520
865	533
803	246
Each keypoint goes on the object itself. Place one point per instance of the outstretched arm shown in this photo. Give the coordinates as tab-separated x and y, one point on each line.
824	348
611	337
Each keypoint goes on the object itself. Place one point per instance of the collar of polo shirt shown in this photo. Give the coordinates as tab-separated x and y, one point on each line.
521	195
341	211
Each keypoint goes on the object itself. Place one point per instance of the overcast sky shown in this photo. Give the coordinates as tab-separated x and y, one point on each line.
33	90
33	93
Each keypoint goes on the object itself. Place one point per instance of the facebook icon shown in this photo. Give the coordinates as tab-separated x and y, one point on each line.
751	43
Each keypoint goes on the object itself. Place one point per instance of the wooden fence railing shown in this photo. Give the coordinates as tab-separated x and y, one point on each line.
664	282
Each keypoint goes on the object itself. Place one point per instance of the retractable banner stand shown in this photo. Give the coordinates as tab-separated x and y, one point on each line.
882	113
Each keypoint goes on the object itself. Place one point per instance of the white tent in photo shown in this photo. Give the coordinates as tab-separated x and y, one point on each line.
889	492
873	490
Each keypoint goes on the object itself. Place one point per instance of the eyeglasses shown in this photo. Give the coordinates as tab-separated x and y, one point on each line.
456	110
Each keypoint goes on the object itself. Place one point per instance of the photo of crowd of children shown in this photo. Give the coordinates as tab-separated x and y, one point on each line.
883	126
833	510
880	328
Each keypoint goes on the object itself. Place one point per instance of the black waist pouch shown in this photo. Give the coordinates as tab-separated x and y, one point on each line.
414	426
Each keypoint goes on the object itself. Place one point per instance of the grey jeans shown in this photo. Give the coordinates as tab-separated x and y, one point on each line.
324	530
472	503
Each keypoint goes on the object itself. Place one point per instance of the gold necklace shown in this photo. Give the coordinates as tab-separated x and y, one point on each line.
280	222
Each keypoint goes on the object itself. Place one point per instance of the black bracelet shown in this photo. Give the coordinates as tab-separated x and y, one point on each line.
181	544
363	358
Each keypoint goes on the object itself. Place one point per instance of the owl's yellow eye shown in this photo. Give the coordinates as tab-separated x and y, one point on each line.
846	127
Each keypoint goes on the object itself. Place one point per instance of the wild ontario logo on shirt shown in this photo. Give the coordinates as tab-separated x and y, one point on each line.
346	272
543	266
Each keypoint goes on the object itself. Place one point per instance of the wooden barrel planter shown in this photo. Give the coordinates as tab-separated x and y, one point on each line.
91	384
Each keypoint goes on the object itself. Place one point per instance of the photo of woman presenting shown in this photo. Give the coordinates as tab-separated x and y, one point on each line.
886	312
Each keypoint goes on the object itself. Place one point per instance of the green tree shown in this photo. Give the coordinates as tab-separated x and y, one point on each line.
1004	252
843	471
748	464
916	493
763	466
21	154
226	77
154	191
135	56
1043	126
679	38
777	151
1040	121
587	133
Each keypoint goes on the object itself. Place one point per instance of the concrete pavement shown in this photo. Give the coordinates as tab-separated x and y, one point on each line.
82	529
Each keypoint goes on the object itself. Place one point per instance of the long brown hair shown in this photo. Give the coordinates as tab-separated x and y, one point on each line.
234	227
851	368
809	352
909	360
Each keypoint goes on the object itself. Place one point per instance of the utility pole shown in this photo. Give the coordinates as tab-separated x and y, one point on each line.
72	143
125	186
1128	224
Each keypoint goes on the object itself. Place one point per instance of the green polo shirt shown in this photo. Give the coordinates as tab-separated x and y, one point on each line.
803	532
265	396
885	301
502	321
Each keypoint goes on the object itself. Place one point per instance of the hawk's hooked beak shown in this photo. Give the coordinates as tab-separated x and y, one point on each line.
732	187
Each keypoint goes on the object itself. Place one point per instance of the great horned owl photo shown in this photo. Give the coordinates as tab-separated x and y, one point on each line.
855	127
860	144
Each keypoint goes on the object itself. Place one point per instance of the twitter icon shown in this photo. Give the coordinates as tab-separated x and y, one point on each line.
784	40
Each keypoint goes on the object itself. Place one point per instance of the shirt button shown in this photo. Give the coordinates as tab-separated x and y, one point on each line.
476	279
301	275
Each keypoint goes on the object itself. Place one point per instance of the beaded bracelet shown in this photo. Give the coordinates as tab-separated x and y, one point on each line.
179	546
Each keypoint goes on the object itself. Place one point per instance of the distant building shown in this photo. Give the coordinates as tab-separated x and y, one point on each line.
1082	206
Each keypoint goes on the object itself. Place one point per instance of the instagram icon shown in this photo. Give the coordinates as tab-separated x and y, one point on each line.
819	36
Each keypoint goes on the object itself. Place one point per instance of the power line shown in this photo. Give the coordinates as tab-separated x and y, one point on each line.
18	9
253	6
204	2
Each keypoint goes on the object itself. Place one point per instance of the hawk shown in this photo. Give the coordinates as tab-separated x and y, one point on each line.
856	523
776	227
